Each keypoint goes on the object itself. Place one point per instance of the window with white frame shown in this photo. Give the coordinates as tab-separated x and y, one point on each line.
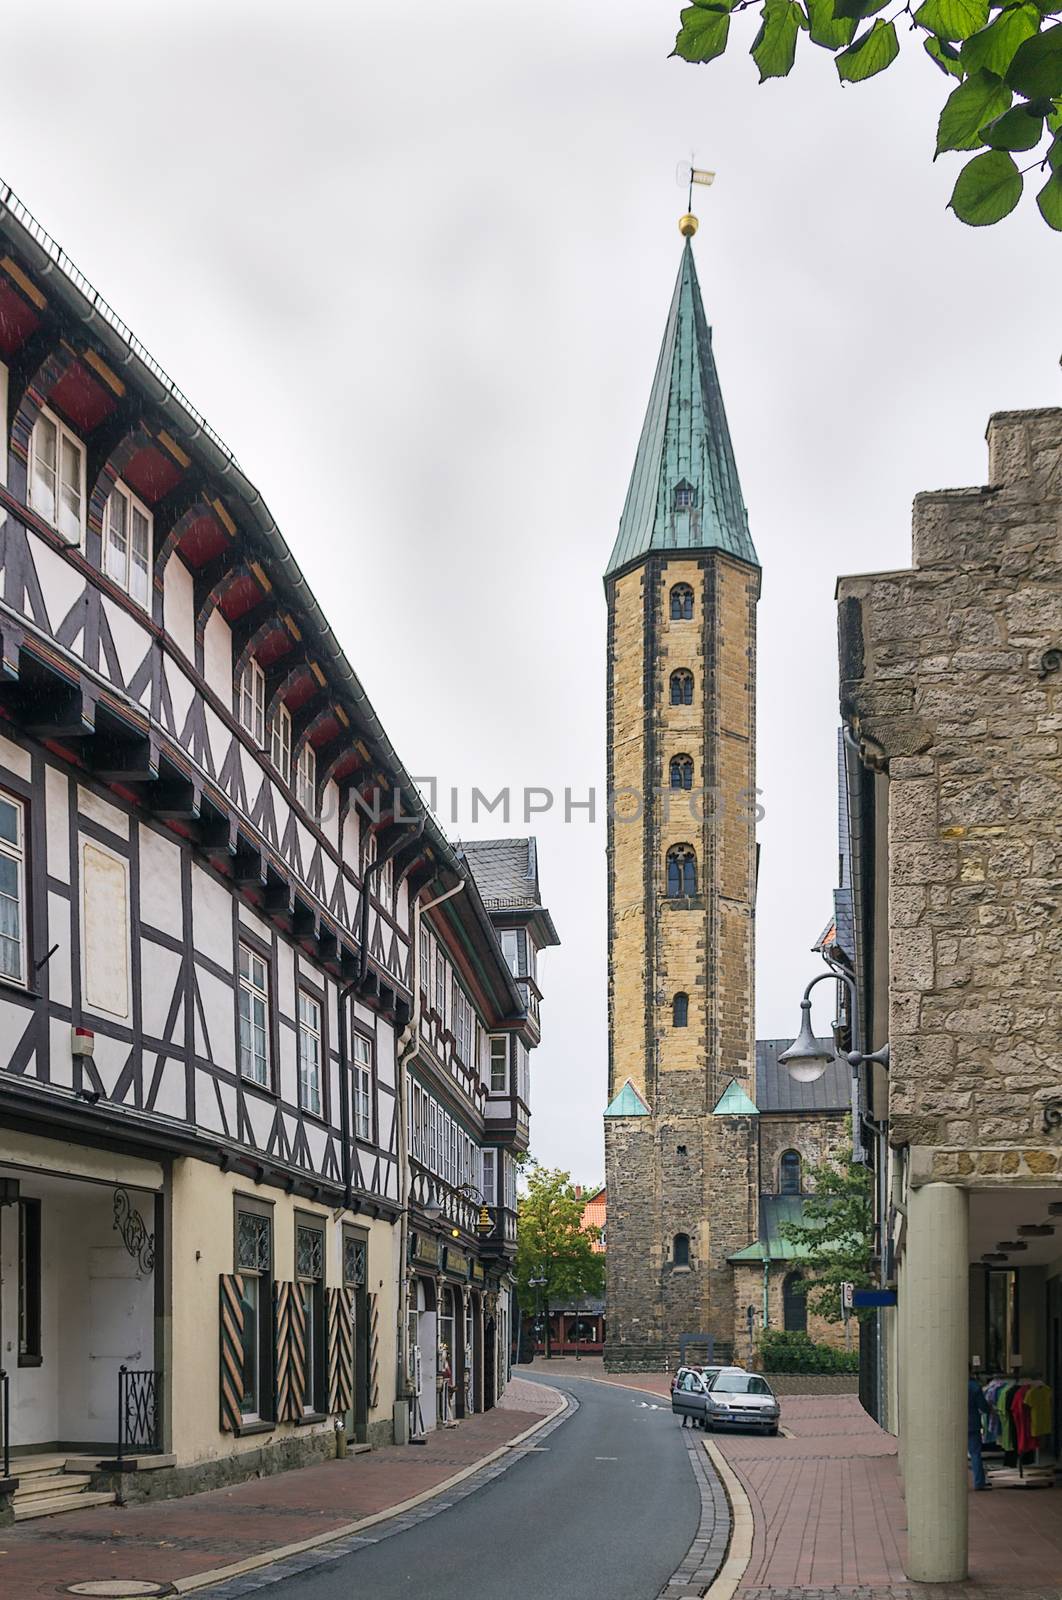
306	778
489	1184
523	1072
510	943
309	1053
463	1018
57	476
499	1063
12	893
254	1015
361	1061
425	964
250	701
441	970
280	742
127	543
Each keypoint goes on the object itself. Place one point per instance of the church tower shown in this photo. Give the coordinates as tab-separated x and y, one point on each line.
681	586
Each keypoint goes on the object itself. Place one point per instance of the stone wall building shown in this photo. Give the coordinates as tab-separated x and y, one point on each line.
951	684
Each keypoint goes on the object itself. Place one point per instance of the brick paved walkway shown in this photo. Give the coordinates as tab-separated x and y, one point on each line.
173	1539
829	1515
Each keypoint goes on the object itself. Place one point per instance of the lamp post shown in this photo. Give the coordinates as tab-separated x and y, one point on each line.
538	1283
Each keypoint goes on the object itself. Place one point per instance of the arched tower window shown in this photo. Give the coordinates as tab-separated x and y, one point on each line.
685	496
680	1250
681	871
682	603
680	1011
794	1304
682	687
789	1173
682	772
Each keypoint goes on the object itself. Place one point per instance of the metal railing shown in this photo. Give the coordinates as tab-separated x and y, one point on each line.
139	1411
5	1439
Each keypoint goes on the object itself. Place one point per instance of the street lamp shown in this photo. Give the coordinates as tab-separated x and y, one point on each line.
807	1057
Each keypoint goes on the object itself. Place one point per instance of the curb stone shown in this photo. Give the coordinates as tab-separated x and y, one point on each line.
703	1561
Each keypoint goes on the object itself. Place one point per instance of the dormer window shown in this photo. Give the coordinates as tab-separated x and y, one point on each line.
127	543
250	701
685	497
280	742
306	779
57	477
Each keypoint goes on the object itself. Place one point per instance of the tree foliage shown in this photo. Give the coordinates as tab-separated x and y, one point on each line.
836	1234
552	1243
1002	59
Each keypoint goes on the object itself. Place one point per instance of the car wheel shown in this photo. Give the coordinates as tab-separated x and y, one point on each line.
706	1425
773	1431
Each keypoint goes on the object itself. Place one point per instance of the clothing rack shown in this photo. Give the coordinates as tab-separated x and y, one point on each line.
1006	1431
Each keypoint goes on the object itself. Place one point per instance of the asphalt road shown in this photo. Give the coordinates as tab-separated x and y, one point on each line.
606	1510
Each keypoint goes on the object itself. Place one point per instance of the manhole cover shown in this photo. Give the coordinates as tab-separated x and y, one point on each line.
119	1588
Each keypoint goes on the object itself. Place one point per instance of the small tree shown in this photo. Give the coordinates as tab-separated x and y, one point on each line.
551	1243
836	1234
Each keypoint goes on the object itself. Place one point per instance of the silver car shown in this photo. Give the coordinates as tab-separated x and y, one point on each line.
741	1400
689	1393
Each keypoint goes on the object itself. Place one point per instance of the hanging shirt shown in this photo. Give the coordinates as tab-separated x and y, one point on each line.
1038	1405
1019	1411
991	1422
1006	1421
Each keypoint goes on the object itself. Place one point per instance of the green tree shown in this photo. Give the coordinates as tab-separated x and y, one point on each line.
552	1244
835	1235
1002	60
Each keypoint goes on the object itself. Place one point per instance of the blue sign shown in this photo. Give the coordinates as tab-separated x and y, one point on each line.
873	1297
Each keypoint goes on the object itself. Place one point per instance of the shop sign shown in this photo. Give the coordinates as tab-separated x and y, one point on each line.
456	1261
478	1275
427	1249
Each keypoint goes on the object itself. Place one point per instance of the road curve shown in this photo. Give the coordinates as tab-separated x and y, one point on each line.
606	1507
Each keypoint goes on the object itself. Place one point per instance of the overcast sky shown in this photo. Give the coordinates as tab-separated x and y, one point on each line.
414	264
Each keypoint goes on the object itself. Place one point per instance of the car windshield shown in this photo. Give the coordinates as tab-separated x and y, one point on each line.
739	1383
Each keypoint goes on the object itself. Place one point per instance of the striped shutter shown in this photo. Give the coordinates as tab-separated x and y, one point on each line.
340	1350
374	1351
231	1350
289	1333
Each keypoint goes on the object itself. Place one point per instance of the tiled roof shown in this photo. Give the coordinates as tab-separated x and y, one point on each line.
505	870
685	441
777	1091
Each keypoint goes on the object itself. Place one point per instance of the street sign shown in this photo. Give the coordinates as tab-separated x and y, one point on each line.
847	1291
873	1297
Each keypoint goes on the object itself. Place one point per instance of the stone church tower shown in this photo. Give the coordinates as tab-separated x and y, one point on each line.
682	586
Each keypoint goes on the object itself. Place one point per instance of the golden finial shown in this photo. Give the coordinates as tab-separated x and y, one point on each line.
688	225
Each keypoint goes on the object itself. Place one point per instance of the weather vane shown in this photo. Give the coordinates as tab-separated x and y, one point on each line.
687	174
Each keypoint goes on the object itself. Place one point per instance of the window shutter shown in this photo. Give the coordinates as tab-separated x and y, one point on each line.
231	1350
340	1350
374	1351
289	1333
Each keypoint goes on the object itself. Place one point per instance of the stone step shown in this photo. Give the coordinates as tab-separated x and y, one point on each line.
36	1484
45	1506
24	1467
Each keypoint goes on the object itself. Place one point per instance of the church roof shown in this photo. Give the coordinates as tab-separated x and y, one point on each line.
777	1091
628	1103
774	1210
734	1102
685	442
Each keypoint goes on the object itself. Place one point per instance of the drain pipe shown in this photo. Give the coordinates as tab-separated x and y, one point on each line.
407	1049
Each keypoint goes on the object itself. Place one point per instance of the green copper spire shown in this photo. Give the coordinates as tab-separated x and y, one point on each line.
684	492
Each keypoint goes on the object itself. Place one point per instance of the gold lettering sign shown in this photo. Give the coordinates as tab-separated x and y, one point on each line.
427	1249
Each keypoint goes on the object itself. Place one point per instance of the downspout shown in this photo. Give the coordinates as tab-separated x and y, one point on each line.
373	869
407	1048
766	1278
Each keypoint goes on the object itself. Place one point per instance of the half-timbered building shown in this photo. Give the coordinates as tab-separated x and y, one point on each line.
468	1105
211	864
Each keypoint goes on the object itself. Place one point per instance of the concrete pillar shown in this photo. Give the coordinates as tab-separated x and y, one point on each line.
933	1375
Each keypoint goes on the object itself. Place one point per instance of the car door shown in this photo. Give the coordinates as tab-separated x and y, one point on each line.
683	1399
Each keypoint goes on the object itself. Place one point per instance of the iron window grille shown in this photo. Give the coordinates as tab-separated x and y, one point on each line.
253	1242
354	1263
309	1253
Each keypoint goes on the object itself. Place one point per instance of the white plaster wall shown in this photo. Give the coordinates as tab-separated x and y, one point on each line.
217	658
178	607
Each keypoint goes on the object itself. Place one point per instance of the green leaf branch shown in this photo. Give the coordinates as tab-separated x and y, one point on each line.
1004	57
